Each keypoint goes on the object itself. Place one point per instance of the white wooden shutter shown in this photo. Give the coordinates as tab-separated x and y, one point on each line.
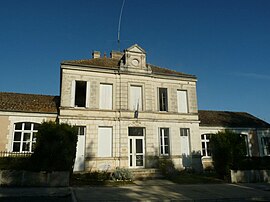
105	96
104	142
135	98
87	104
184	141
72	93
182	101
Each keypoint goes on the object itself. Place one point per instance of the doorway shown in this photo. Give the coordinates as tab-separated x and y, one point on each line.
136	147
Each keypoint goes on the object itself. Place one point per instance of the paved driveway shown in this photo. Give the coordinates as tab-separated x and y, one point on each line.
163	190
151	190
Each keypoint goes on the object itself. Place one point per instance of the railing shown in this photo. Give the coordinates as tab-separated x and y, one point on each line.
14	154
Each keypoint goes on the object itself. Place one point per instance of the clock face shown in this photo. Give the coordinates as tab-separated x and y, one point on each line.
135	62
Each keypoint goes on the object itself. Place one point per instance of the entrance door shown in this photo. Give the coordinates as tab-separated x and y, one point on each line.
80	150
136	147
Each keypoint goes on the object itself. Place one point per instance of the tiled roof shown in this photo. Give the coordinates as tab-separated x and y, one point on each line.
17	102
230	119
100	62
114	63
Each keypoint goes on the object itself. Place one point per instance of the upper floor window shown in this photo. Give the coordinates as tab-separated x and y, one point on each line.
135	99
266	145
205	139
105	96
164	141
163	99
24	137
182	101
80	93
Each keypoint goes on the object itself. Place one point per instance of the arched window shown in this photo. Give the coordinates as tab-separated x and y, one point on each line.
24	136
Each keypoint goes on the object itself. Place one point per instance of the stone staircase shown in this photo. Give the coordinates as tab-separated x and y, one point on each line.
146	173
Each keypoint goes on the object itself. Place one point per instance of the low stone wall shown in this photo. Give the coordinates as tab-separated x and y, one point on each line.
247	176
34	179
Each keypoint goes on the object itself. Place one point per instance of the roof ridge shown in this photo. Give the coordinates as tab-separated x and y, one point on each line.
4	92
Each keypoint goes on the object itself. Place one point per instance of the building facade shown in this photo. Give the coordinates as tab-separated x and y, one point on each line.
131	112
128	113
255	132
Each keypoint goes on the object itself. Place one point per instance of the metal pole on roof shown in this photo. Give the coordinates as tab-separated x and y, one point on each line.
119	24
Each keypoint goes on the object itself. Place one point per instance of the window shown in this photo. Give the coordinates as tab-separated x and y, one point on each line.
184	141
164	141
135	100
135	131
266	145
80	93
104	142
205	139
24	137
81	130
105	96
182	101
163	99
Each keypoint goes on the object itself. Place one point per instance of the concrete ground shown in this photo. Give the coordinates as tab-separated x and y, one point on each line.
150	190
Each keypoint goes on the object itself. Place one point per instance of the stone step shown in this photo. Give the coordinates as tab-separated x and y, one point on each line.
143	174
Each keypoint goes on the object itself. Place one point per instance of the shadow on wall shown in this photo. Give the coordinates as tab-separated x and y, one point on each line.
192	161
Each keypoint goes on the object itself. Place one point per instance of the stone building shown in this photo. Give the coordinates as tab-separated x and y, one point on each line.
255	131
129	114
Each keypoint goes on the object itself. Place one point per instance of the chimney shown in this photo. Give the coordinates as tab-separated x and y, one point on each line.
116	55
96	54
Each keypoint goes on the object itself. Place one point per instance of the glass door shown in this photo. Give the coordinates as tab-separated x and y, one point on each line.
136	148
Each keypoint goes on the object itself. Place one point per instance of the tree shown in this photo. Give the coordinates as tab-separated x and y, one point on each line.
228	149
55	147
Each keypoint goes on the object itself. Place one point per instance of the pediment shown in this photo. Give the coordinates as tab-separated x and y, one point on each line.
136	49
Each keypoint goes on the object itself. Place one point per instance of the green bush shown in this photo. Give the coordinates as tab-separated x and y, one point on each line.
55	147
15	163
254	163
167	168
121	174
228	149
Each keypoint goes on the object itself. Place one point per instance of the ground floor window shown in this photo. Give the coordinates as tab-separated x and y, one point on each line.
205	139
105	142
24	137
266	145
184	141
164	141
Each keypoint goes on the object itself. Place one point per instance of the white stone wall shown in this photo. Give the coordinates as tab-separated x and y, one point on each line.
121	117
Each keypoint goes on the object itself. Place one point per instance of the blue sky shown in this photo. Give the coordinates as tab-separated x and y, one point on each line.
225	43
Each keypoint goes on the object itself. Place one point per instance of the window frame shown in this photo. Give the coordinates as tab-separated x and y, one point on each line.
100	143
162	138
206	147
131	99
73	94
182	107
22	142
265	147
163	99
110	107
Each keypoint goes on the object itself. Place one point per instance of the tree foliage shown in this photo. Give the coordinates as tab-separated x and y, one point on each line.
55	147
228	149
